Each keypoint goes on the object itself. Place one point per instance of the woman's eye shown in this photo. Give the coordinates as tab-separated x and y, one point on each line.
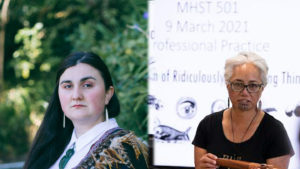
240	85
87	85
253	85
67	86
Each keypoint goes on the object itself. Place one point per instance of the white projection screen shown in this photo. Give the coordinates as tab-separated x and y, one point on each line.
189	41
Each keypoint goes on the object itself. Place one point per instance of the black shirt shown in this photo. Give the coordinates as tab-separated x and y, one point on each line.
269	140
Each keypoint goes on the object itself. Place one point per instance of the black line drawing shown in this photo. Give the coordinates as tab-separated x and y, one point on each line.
269	109
297	111
218	105
152	101
167	133
291	110
186	108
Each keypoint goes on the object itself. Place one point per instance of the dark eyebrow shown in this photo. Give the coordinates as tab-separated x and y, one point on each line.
81	80
86	78
238	80
254	82
65	81
241	81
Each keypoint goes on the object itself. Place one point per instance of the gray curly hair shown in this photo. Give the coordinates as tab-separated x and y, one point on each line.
246	57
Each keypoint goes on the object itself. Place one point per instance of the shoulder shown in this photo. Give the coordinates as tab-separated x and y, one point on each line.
124	139
276	136
120	149
209	127
216	115
271	122
273	129
211	121
124	136
213	117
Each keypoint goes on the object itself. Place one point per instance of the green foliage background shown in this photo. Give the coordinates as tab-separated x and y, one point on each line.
42	33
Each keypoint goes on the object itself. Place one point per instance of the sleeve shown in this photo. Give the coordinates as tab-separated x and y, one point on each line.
134	153
200	139
279	142
137	160
120	150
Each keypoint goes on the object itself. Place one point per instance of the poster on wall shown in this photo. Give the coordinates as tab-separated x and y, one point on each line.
189	41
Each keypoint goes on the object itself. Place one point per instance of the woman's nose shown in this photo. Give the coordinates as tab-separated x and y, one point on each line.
245	91
77	94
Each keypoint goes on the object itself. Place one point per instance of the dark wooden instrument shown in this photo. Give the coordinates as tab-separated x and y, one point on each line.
237	164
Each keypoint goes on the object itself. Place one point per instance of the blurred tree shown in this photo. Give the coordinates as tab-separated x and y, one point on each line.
41	33
14	141
3	21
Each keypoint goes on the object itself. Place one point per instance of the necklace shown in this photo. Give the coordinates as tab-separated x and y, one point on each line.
246	129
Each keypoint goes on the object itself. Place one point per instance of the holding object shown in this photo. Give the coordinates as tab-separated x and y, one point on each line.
237	164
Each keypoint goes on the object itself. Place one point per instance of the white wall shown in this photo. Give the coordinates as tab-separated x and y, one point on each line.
189	41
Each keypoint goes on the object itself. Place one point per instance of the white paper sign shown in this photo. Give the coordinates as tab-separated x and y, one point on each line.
189	41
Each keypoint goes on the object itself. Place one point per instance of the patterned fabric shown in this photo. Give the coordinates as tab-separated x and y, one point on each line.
116	149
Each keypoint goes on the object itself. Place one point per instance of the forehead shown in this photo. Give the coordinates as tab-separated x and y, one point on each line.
247	72
80	71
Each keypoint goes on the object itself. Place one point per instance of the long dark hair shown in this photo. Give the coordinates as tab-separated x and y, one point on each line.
51	138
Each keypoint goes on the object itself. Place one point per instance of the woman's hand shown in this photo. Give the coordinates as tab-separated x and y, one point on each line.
208	161
204	159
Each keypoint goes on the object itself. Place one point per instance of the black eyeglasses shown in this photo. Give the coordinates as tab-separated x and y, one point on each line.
251	88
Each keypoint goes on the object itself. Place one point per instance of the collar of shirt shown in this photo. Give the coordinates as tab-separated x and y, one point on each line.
84	142
92	135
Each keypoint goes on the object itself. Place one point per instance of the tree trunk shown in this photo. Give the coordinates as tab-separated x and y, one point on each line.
4	19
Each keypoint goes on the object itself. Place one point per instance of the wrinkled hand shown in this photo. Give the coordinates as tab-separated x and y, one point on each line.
208	161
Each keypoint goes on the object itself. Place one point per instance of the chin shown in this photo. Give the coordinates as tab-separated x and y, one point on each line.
244	107
86	119
78	117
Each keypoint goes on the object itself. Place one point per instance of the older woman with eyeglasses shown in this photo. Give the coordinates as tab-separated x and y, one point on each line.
243	132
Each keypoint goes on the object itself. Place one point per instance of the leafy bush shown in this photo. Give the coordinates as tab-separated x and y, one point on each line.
126	55
47	31
13	119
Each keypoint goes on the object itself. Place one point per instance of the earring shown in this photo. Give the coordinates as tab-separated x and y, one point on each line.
228	103
259	105
106	115
64	121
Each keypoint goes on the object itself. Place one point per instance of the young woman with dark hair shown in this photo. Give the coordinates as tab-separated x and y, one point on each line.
76	131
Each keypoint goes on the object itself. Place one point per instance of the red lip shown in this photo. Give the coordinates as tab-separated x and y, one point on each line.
244	100
78	105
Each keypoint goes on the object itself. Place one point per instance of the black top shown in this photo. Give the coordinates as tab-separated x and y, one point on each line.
269	140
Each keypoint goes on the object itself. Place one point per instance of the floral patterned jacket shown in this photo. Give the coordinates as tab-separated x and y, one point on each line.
116	149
